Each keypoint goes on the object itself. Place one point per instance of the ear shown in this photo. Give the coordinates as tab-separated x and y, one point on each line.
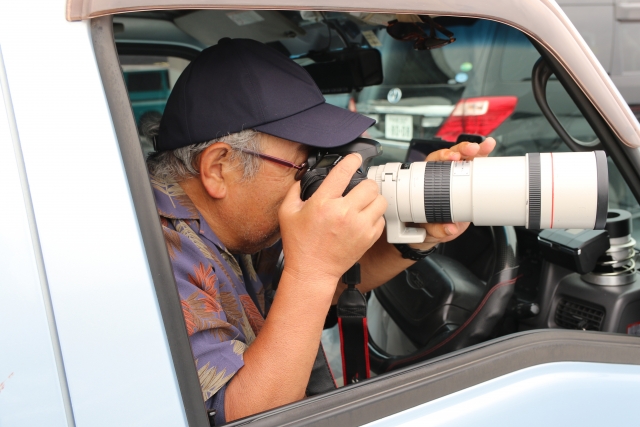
214	167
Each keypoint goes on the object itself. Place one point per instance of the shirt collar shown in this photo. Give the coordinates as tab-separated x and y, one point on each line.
172	202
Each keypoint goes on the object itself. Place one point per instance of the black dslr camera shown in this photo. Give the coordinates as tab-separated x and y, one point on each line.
322	160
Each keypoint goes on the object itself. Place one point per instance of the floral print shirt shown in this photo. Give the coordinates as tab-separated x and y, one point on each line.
222	295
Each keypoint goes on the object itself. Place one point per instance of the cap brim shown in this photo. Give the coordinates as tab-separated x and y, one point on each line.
324	125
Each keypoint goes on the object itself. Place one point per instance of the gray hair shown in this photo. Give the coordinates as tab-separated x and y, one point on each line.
181	163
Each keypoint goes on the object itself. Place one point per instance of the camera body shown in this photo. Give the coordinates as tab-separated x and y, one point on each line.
538	190
322	160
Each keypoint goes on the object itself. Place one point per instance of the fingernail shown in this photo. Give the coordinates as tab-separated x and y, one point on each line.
451	230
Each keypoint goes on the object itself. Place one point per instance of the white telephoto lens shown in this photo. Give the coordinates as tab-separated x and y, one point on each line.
539	190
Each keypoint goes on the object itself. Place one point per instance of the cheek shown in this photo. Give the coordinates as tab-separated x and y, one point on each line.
264	200
282	191
261	198
273	190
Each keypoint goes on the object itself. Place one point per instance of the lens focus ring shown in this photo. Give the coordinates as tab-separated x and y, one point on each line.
535	184
437	191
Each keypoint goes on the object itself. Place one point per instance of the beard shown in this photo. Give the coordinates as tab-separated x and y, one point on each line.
253	242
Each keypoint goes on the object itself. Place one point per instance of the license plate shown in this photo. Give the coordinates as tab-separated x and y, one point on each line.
398	127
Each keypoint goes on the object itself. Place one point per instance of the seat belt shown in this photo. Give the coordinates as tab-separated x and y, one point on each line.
352	323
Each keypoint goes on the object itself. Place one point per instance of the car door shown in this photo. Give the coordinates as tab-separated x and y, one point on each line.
24	290
83	341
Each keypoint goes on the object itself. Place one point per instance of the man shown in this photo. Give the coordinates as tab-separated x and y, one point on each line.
235	133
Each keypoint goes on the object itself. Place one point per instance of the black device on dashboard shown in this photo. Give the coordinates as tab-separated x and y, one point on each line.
577	250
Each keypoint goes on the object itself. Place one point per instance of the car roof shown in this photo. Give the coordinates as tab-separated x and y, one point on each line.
542	20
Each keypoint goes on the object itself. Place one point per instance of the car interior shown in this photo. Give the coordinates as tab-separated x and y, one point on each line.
454	79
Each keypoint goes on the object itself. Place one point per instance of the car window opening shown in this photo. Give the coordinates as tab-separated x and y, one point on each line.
428	82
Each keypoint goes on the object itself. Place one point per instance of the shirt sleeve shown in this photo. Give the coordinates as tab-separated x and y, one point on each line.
216	341
216	403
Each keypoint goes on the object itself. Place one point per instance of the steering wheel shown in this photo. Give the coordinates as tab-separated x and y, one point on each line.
451	299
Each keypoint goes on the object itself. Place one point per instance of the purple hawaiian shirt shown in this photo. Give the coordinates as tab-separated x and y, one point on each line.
222	295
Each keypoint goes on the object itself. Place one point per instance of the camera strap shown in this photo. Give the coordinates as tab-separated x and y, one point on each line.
352	323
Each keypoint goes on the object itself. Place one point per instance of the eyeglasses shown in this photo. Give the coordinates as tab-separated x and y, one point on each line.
301	169
407	31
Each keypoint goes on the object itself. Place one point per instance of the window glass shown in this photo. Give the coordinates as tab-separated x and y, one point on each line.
569	115
621	197
146	81
149	80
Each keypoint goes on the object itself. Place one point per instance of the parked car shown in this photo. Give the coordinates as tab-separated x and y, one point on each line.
148	88
91	326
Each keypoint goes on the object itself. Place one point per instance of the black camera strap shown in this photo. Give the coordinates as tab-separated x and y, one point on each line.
352	322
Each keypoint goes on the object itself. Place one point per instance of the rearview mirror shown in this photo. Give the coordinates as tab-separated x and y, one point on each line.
345	70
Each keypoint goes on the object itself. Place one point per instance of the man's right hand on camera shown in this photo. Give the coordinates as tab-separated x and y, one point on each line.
324	236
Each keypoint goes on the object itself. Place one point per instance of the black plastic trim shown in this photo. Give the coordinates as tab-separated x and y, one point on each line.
603	190
539	78
535	184
397	391
156	49
148	220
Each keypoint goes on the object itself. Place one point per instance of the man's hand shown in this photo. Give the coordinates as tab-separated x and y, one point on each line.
437	233
383	261
328	233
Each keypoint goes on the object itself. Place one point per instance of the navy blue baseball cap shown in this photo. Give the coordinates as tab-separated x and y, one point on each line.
243	84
